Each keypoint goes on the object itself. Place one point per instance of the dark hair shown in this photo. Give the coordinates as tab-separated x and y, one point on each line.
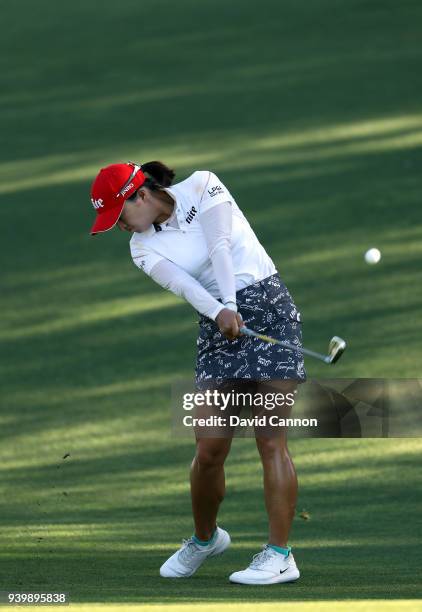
158	175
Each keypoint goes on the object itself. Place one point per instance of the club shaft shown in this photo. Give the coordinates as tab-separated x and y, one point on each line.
248	332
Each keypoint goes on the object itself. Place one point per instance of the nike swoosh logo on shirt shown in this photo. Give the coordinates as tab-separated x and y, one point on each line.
282	571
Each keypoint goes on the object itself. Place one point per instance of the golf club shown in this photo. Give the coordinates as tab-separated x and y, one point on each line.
336	346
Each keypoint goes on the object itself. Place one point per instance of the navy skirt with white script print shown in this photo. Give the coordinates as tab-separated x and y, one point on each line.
268	308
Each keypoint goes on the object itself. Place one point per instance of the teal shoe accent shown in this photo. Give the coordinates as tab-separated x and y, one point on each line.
280	549
205	542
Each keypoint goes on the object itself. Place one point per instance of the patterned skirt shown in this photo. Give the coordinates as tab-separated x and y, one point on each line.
266	307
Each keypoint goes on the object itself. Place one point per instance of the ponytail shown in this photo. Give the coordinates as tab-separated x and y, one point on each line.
158	175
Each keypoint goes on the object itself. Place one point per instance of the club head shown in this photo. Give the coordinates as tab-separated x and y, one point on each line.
336	348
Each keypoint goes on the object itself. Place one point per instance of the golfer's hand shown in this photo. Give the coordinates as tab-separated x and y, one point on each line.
229	323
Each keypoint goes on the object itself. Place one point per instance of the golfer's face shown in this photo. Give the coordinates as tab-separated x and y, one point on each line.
137	214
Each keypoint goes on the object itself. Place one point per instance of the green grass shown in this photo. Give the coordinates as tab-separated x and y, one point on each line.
311	113
407	605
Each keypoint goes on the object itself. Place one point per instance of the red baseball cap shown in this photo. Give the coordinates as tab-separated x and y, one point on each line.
111	187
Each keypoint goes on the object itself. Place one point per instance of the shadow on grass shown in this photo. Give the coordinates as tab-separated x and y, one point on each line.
311	116
133	577
343	554
296	64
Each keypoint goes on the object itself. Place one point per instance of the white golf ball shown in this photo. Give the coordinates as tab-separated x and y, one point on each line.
372	256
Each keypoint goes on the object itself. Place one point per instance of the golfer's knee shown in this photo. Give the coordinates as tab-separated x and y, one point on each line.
209	455
271	447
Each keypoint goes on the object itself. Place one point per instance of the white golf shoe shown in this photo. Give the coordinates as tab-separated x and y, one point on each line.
191	556
268	567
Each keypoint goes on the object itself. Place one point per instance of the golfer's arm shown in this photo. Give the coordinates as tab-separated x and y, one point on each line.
216	223
171	277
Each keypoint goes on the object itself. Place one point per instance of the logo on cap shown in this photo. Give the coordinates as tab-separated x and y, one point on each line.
97	203
126	189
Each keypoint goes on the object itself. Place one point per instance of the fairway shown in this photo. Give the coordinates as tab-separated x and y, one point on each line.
311	114
362	606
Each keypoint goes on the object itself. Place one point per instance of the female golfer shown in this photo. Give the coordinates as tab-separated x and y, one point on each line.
193	239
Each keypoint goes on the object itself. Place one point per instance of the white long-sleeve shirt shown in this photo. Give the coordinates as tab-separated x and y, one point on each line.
206	250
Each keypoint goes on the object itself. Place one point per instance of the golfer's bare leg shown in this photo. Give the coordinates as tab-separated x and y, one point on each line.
208	483
280	480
